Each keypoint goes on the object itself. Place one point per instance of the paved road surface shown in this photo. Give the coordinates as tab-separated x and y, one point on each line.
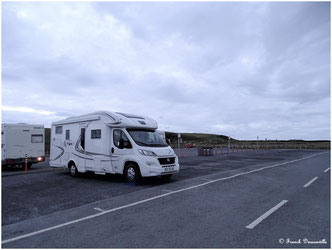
211	204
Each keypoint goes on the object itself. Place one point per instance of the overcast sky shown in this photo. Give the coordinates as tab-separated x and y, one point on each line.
239	69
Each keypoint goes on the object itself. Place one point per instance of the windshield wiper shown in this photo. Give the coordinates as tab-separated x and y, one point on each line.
142	143
159	145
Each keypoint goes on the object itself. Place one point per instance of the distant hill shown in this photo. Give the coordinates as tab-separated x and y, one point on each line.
199	138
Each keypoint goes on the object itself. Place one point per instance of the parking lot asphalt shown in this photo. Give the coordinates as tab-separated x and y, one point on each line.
209	203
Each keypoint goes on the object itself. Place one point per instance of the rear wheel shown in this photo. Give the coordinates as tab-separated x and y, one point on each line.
131	173
73	170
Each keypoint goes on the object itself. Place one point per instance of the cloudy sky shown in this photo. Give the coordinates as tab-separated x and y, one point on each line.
239	69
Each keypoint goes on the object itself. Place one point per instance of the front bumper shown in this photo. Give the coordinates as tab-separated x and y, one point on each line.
150	166
17	161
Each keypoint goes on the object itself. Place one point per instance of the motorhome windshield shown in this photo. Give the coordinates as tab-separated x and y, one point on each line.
147	138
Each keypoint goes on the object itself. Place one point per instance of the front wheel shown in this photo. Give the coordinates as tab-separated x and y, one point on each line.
131	173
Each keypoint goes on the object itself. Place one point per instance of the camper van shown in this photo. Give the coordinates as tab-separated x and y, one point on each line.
22	141
111	142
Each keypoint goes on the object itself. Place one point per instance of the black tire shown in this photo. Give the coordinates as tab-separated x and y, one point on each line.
167	176
131	173
73	170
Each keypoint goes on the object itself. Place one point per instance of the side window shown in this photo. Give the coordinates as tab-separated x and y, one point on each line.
83	138
120	139
116	137
67	134
58	129
36	138
96	134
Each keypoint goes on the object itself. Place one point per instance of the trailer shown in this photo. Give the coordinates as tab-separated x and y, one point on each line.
21	142
111	142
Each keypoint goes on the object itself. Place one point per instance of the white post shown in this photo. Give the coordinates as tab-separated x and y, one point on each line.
257	142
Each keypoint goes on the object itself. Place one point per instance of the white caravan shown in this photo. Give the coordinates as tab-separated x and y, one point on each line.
21	141
111	142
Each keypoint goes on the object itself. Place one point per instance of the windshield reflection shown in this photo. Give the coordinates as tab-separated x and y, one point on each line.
147	138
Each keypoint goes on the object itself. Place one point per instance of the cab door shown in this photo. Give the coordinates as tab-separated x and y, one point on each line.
121	148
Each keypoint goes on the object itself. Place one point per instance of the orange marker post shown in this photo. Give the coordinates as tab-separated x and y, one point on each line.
26	165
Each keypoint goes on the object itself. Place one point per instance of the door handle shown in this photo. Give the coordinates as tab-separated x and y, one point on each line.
112	150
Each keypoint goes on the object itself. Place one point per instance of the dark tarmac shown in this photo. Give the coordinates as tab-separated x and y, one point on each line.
208	204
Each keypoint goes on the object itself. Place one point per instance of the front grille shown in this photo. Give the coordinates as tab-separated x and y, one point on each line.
166	161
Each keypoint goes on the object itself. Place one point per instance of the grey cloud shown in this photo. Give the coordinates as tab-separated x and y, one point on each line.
242	68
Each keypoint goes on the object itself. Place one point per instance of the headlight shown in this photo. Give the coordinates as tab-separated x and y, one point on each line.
147	152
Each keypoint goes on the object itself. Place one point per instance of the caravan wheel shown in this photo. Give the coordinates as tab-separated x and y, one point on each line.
73	170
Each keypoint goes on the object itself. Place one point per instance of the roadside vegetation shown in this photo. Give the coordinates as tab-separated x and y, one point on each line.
213	140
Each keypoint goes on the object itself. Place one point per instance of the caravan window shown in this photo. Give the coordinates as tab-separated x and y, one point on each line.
58	129
36	138
95	133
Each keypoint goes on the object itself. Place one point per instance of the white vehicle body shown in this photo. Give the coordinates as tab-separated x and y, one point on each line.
21	141
92	143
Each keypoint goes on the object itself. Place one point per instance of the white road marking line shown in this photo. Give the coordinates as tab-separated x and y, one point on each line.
147	200
265	215
98	209
326	170
307	185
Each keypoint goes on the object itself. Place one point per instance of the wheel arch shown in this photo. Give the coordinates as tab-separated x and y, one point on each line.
70	162
130	162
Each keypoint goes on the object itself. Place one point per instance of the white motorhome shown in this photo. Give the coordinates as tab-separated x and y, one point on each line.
111	142
21	141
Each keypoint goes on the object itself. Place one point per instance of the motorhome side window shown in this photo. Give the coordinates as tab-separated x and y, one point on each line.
67	134
120	139
96	134
36	138
58	129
